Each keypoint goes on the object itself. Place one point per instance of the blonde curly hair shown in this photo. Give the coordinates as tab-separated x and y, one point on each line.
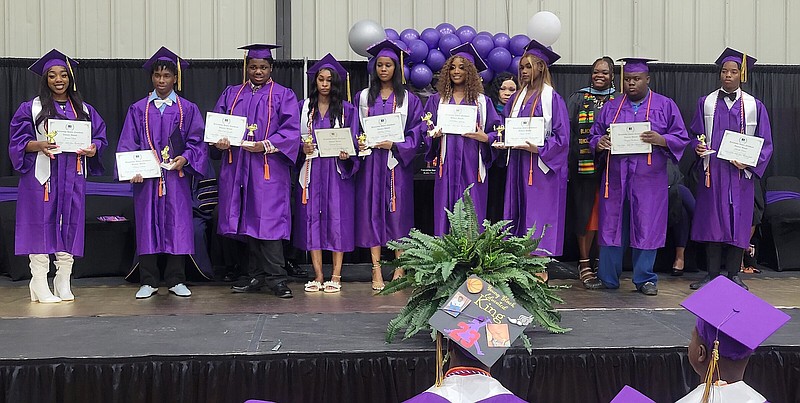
474	88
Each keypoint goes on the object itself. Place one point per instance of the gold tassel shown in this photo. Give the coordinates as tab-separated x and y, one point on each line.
74	83
713	368
179	74
744	68
439	360
349	97
402	69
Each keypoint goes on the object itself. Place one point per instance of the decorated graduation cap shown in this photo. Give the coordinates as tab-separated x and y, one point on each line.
631	395
51	59
542	52
481	320
743	60
391	49
167	55
256	51
467	51
731	321
330	62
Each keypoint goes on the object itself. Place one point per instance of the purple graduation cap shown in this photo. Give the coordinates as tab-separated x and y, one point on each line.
388	48
330	62
542	52
259	51
631	395
51	59
738	319
636	64
467	51
743	60
167	55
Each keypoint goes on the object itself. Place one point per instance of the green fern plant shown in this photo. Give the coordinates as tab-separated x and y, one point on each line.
436	266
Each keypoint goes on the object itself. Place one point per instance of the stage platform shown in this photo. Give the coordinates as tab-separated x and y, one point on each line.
222	347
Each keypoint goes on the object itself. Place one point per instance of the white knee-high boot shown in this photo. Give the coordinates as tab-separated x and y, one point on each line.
61	284
40	290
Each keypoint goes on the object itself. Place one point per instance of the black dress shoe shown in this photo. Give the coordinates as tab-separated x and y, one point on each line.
698	284
677	272
282	291
248	285
649	288
735	278
294	270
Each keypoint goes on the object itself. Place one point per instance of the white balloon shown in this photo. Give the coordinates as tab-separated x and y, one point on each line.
364	34
545	27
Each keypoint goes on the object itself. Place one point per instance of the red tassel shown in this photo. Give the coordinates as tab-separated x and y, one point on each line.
266	169
230	156
160	187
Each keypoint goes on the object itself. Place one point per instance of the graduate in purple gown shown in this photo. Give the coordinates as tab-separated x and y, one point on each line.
634	187
385	180
255	179
52	185
461	159
323	218
536	182
170	127
725	199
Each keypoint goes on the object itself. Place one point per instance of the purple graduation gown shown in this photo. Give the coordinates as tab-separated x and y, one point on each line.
724	211
544	201
377	223
460	166
325	221
56	225
249	204
164	224
629	176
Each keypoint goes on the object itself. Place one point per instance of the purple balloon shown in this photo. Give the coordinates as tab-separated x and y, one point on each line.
407	71
448	41
517	44
421	75
487	33
514	66
392	34
446	28
465	33
483	44
435	59
501	40
487	75
431	37
499	59
418	50
409	35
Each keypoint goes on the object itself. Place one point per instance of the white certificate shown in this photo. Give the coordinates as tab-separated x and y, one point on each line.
520	130
330	142
71	135
384	128
740	147
625	138
457	119
220	126
131	163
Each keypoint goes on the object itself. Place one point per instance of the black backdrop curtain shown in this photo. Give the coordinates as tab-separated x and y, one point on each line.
112	85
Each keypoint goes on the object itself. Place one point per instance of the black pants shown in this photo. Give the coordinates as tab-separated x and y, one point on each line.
266	261
174	272
733	258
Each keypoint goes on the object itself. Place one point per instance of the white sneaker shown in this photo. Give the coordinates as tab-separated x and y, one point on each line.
180	290
146	291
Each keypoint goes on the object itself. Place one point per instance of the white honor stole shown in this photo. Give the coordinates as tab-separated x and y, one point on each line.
42	167
547	113
482	115
363	112
305	173
750	120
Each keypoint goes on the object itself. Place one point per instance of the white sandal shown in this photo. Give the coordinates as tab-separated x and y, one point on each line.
312	286
331	287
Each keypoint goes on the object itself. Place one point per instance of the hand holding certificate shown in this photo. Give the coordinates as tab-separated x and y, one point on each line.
331	142
741	148
521	131
457	119
132	163
384	128
222	126
69	135
626	138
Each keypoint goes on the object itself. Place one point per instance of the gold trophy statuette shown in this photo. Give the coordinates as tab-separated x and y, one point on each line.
428	119
499	130
702	139
51	137
165	155
250	129
362	139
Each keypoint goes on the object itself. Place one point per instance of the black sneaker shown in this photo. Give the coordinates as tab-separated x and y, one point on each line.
697	285
649	288
249	285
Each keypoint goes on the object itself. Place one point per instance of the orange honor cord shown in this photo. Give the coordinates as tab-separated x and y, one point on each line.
269	123
608	161
161	184
533	110
394	195
647	118
708	176
233	105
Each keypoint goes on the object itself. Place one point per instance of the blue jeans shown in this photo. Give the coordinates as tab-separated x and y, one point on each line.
610	267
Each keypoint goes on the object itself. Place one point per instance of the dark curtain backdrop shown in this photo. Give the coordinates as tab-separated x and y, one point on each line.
112	85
